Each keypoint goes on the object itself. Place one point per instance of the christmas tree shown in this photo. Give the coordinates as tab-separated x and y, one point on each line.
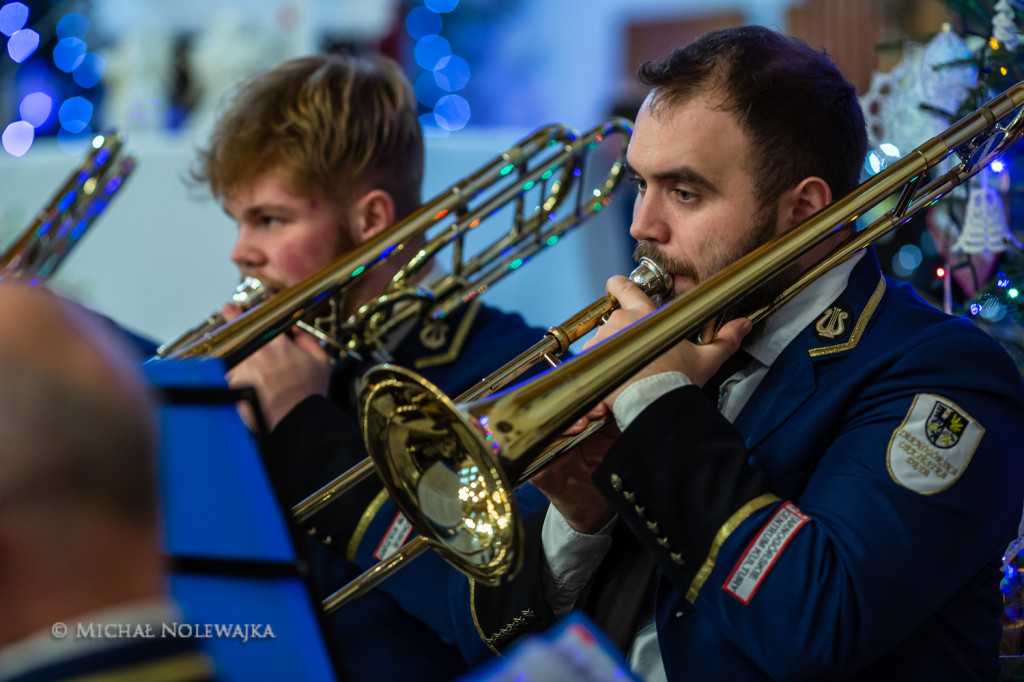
965	253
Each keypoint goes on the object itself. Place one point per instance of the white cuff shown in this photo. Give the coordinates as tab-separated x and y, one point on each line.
638	395
571	558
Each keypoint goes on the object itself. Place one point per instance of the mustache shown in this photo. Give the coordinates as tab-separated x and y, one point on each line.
670	266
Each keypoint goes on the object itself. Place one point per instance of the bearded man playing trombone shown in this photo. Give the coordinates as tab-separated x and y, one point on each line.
311	159
833	505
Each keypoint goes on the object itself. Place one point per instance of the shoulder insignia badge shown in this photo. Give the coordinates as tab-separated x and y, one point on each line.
930	450
834	323
434	334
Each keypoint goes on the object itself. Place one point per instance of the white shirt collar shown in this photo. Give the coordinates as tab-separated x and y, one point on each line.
781	327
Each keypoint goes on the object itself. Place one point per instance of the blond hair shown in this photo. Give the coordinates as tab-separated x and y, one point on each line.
336	125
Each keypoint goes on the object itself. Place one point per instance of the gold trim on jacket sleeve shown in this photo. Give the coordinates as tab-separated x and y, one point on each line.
364	523
731	524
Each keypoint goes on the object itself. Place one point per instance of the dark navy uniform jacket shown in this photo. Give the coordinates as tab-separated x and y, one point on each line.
848	525
404	628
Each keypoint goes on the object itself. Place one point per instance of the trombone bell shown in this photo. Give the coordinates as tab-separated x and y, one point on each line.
443	474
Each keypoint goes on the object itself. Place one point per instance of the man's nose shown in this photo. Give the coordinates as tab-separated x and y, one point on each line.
648	222
246	253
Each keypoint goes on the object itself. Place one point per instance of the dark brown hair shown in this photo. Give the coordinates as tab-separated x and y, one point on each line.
801	114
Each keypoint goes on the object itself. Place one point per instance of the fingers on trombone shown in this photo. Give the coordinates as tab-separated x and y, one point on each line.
599	411
628	293
732	333
230	311
708	332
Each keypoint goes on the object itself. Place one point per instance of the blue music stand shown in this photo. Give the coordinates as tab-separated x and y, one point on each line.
232	551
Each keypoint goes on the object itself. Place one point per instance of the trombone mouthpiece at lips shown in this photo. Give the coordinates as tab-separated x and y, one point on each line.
248	293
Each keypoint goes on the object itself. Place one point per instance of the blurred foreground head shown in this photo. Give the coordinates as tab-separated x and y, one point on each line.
78	504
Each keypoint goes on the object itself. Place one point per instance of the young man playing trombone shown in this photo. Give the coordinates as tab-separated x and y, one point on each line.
311	159
838	507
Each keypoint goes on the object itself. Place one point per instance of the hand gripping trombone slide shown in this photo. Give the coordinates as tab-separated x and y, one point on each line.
451	468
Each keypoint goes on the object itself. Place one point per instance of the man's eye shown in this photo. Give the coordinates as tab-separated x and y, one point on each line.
639	183
684	195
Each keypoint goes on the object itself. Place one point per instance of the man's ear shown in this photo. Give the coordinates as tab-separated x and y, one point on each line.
375	212
801	202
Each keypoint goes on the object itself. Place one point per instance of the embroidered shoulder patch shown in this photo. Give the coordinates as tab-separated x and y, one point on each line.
764	551
834	324
932	447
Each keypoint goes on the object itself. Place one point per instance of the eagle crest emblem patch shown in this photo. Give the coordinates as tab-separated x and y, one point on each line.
945	425
930	450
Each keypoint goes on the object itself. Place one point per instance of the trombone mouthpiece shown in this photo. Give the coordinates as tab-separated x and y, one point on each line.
653	280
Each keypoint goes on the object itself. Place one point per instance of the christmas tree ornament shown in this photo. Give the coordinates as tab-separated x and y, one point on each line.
931	75
985	229
1004	29
947	71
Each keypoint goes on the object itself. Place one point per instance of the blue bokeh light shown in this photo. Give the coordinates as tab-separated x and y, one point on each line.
910	257
17	138
72	25
13	17
69	53
89	73
74	144
906	260
427	90
442	5
422	22
430	50
22	44
75	114
452	112
889	150
36	108
452	73
445	72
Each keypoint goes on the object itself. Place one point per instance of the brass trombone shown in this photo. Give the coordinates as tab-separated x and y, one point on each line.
451	468
83	196
551	161
549	349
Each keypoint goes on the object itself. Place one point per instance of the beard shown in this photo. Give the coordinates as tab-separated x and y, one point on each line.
716	259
